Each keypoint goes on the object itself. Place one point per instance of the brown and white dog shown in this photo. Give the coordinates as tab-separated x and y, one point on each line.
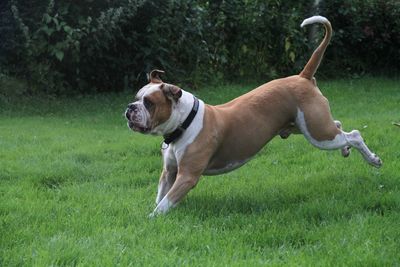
204	139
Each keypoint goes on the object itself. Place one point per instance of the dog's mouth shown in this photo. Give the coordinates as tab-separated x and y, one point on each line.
134	124
138	128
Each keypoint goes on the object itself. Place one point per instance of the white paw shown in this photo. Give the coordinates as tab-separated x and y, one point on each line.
375	161
346	151
152	215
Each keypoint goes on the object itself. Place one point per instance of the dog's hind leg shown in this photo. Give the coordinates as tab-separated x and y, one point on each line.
345	150
322	132
355	140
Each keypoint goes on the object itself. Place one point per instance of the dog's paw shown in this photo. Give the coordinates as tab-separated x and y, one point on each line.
375	161
346	151
152	215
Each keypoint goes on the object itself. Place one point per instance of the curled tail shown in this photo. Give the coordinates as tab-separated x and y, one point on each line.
313	63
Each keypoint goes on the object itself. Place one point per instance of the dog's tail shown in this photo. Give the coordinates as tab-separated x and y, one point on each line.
312	64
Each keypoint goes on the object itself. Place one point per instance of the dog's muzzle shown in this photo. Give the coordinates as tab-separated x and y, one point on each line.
134	122
131	109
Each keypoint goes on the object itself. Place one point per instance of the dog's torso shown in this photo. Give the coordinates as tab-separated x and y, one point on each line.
231	133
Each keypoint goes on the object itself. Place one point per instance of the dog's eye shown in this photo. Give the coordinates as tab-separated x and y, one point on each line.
147	103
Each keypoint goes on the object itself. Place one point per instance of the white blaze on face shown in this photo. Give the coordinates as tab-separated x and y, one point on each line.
147	90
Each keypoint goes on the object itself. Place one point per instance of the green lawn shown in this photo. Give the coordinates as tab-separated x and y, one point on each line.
76	187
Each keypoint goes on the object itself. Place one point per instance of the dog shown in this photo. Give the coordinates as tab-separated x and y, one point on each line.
201	139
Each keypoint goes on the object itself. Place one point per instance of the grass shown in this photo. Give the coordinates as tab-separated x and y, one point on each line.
76	187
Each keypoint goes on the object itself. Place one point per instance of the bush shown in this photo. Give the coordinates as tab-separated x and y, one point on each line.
62	47
60	51
366	36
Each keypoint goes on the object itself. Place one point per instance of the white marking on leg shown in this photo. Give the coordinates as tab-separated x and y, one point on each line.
161	190
345	150
354	139
169	173
338	142
341	140
162	207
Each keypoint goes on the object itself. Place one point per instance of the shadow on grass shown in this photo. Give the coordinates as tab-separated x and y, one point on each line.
330	198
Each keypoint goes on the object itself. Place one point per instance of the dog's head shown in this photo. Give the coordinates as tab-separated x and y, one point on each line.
153	107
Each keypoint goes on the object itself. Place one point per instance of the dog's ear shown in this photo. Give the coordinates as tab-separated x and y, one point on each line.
171	91
154	76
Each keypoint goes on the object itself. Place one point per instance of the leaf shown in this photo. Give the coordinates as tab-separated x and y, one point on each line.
47	30
292	56
47	18
59	55
67	29
55	20
287	44
244	48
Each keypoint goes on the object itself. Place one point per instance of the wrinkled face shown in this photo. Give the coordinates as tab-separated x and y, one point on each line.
152	108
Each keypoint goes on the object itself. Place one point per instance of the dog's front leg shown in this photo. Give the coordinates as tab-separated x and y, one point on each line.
168	174
167	179
182	185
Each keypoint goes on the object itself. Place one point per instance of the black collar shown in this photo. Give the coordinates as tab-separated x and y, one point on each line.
169	138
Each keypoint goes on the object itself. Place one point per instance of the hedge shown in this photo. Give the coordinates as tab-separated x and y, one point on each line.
61	47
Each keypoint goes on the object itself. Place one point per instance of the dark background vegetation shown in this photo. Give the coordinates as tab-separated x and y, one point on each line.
83	46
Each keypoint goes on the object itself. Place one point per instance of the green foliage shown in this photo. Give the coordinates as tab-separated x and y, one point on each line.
366	35
82	46
12	87
62	51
